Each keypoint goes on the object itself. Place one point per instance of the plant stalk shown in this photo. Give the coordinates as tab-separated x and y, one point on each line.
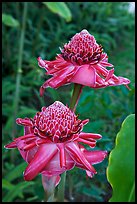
61	188
19	70
75	96
49	187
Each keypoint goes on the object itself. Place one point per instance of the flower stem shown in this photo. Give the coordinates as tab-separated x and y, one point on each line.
61	188
75	96
49	187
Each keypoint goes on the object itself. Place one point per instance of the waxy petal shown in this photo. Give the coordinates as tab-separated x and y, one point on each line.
44	154
54	168
93	157
85	76
28	155
11	145
86	141
110	74
77	155
96	156
90	135
26	122
62	154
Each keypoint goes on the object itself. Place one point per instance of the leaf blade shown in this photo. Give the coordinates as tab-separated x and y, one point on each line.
16	172
121	167
8	20
59	8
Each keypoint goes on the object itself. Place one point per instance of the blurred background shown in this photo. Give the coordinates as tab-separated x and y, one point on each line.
32	29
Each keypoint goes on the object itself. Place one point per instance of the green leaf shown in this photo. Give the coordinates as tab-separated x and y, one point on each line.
16	191
16	172
8	20
7	185
121	168
60	8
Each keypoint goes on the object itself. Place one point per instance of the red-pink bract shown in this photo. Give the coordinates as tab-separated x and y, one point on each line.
51	143
81	61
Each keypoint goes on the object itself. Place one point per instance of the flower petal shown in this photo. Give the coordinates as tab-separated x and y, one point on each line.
11	145
85	76
53	167
62	154
96	156
28	155
25	122
54	82
77	155
86	141
44	154
85	135
119	81
110	74
42	63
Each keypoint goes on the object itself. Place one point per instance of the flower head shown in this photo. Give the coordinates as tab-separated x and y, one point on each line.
81	61
51	143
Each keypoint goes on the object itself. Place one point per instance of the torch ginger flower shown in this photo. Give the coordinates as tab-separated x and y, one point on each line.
52	145
81	61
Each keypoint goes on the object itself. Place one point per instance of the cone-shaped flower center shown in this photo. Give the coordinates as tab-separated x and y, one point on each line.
57	122
82	49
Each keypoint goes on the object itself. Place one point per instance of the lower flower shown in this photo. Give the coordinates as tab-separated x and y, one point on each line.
52	143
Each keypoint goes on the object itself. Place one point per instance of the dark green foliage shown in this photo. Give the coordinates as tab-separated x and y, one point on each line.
113	27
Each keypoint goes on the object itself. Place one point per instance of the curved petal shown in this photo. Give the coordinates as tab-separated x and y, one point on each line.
106	64
44	154
110	74
78	156
54	168
87	141
42	63
85	135
59	79
96	156
54	82
11	145
85	76
28	130
62	66
93	157
25	122
62	154
119	81
29	154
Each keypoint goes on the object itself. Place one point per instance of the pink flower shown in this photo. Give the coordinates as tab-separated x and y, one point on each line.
51	143
81	61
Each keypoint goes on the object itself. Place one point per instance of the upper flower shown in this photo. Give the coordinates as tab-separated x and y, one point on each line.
51	143
81	61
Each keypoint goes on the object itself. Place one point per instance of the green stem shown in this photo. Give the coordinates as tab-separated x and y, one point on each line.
75	96
74	101
38	28
49	186
70	182
51	198
61	188
19	70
